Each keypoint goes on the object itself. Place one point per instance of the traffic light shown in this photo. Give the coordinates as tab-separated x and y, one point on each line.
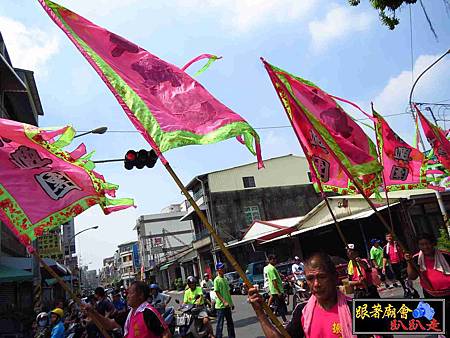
140	159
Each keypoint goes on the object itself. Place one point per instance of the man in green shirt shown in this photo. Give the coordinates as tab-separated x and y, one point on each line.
194	295
275	286
376	256
224	303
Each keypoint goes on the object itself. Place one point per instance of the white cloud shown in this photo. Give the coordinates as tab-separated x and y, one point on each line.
433	86
248	14
338	23
28	48
236	15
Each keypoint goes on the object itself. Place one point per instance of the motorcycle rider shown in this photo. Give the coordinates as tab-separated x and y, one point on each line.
56	320
42	326
207	283
194	295
298	269
159	301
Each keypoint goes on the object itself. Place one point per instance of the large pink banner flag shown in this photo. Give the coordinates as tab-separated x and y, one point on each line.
332	139
164	103
41	185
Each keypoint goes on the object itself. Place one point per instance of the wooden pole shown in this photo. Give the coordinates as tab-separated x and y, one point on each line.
64	285
316	175
224	249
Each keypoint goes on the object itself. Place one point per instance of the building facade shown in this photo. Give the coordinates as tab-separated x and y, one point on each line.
68	244
50	245
162	238
127	269
233	198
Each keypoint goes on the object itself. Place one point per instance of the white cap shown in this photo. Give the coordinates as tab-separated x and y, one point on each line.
296	258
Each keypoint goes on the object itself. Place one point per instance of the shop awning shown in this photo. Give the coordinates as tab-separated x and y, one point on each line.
311	221
9	274
190	256
165	266
267	230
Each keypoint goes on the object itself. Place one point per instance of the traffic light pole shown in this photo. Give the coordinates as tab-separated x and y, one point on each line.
222	246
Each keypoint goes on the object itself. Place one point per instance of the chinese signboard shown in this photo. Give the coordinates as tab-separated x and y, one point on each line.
398	316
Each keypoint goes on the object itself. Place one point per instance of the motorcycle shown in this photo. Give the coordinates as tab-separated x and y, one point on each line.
167	313
187	322
210	300
74	330
300	294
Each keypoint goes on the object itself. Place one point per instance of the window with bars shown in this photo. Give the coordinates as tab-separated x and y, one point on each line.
251	214
249	182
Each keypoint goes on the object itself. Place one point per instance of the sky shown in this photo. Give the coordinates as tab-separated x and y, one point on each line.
345	50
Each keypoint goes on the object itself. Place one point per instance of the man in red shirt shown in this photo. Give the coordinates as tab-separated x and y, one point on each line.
394	256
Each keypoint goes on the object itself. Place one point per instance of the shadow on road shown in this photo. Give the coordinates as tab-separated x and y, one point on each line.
246	321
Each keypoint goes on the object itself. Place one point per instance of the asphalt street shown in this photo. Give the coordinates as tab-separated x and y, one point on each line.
246	324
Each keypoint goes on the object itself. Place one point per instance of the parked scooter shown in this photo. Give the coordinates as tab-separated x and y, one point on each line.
187	322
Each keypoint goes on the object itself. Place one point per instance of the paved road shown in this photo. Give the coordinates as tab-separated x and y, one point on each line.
247	326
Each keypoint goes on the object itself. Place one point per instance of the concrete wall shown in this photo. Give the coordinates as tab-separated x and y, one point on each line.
278	172
228	208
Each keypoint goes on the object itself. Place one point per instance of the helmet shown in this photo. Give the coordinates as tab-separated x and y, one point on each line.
71	302
42	316
296	258
206	274
374	240
220	266
58	312
191	280
154	286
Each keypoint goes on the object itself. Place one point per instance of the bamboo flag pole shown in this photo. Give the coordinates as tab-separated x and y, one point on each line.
222	246
64	285
316	175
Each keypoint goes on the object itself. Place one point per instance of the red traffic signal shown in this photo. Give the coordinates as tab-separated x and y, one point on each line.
140	159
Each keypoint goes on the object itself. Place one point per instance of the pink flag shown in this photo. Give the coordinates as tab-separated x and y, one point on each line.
43	186
436	138
404	166
165	104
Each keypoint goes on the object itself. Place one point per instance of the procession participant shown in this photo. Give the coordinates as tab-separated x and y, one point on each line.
376	256
142	319
360	276
118	302
325	315
224	303
434	266
104	305
394	256
275	286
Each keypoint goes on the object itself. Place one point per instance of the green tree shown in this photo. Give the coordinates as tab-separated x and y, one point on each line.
387	10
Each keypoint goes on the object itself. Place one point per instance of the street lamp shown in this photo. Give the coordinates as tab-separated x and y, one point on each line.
438	194
99	130
70	249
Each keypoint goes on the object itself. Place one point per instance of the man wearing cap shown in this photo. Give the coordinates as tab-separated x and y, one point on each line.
224	303
56	317
376	256
207	283
298	269
359	275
